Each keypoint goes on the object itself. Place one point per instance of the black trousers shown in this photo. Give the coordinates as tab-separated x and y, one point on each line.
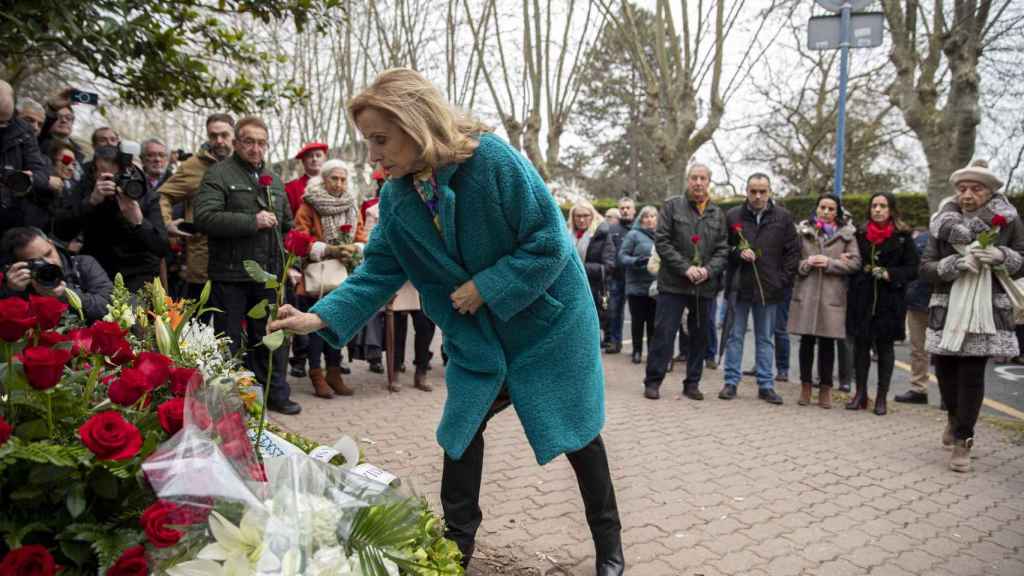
962	385
460	488
826	358
862	360
235	299
642	310
668	314
421	344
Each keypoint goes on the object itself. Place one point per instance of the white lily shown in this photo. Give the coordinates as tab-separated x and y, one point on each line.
244	541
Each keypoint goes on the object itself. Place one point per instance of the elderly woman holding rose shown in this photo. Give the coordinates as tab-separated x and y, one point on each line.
330	214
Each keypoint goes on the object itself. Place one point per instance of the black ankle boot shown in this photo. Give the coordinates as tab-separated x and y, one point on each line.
860	398
880	405
591	466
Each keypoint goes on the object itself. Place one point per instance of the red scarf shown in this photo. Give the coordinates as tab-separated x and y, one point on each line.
877	234
580	233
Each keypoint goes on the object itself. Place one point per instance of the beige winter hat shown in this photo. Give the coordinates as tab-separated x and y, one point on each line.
977	171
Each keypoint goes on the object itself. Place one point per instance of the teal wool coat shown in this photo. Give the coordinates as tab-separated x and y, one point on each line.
537	332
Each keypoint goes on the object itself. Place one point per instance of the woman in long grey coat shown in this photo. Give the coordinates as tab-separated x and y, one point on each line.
828	253
953	260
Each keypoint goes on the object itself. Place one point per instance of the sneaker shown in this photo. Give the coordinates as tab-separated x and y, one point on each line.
376	367
711	364
297	371
651	393
782	378
844	386
693	394
728	392
770	396
912	397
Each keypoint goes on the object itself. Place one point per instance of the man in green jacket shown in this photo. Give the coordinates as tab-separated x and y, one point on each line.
243	210
692	242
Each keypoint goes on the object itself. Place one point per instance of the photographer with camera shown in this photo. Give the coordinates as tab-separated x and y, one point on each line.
60	119
40	268
120	216
24	175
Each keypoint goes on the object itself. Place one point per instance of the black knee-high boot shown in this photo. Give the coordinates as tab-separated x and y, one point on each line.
591	466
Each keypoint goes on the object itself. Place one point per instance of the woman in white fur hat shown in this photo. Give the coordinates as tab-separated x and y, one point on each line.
974	233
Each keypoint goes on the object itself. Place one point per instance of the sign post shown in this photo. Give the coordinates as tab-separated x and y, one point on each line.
821	36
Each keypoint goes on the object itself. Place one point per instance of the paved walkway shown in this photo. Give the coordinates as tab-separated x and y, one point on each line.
714	487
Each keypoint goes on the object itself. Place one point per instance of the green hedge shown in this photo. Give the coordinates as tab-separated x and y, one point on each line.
913	207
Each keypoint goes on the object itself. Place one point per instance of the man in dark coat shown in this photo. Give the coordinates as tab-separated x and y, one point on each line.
919	292
691	241
763	260
125	235
617	287
20	160
243	210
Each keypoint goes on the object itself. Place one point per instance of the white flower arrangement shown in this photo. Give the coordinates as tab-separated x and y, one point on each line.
202	348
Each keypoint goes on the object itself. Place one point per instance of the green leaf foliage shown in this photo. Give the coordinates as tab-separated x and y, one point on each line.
259	311
160	53
256	272
274	340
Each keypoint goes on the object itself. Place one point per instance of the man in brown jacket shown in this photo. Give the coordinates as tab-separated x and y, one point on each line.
182	187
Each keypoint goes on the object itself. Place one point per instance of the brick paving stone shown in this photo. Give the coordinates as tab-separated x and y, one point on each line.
715	488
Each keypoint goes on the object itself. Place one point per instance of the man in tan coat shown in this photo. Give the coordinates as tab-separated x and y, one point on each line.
182	187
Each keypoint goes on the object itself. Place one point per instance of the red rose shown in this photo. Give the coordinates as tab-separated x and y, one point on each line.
345	228
266	180
998	221
31	559
81	341
198	415
106	338
47	309
131	563
737	227
154	522
298	243
110	437
184	380
66	159
16	318
51	338
5	431
44	366
232	431
124	354
257	472
172	415
155	367
695	239
129	387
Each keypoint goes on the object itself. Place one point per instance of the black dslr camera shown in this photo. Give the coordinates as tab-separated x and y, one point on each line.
43	273
16	182
129	179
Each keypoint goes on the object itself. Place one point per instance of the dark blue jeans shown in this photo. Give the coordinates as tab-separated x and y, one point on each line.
616	309
668	314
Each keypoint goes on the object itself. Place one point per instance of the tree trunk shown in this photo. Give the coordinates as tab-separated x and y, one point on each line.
531	144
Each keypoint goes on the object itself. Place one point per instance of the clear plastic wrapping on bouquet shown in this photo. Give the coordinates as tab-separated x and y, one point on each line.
292	514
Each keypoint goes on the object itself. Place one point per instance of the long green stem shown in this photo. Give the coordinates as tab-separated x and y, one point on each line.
49	412
8	353
90	384
279	301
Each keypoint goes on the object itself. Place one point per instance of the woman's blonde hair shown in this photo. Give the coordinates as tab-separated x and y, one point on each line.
444	134
584	206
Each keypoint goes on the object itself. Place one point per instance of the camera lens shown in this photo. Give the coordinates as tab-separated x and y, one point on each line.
46	274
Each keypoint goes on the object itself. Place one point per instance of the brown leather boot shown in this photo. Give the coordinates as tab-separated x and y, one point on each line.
335	381
320	388
805	394
825	397
419	381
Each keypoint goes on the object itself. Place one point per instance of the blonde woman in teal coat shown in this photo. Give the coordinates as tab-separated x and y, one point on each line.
471	224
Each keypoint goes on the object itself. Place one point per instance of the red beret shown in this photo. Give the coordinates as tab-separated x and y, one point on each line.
310	147
379	174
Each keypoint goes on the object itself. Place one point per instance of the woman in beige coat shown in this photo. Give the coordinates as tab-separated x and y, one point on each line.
828	253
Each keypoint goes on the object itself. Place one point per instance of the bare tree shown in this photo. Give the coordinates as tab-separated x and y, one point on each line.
936	51
685	64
